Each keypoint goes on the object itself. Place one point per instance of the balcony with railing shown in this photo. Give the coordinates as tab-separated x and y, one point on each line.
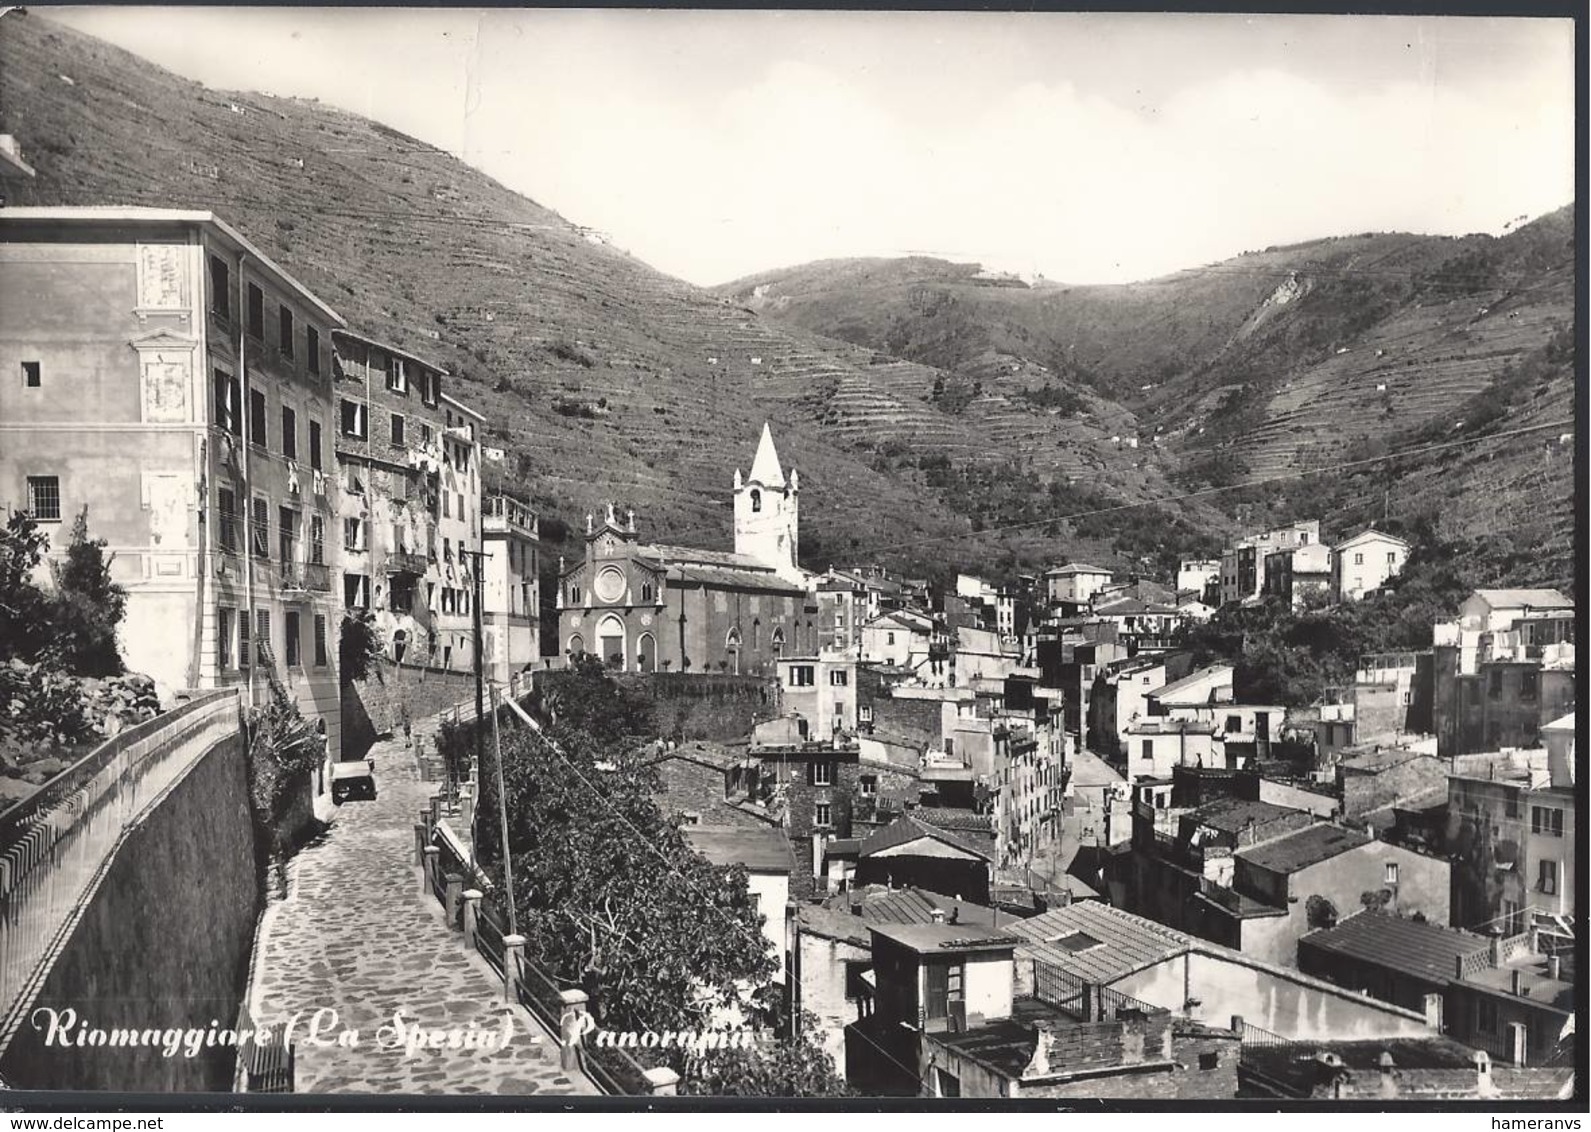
406	562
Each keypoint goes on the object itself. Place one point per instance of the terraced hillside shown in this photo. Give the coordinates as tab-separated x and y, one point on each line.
602	378
1276	364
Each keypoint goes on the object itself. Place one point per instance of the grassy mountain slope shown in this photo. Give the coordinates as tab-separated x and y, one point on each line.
603	378
1279	363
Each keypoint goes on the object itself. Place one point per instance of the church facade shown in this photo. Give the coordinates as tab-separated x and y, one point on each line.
643	607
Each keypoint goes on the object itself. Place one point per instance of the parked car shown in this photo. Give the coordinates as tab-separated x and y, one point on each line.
354	779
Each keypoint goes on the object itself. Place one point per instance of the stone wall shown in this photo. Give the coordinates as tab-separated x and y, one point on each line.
163	942
372	707
715	708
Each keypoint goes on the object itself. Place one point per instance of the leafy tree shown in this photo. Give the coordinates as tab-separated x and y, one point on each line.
789	1067
86	607
70	627
284	747
358	647
24	620
609	894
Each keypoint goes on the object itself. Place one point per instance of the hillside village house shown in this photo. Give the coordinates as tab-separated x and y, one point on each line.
911	641
1503	670
948	1020
1298	574
176	382
1514	835
642	607
1075	583
396	462
1243	563
1195	575
1257	876
511	599
764	852
1362	564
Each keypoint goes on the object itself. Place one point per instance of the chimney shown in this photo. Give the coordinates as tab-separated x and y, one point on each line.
1483	1074
1519	982
1553	967
938	915
1388	1087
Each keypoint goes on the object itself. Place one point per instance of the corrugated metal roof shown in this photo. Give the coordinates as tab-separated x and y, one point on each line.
1127	943
1424	950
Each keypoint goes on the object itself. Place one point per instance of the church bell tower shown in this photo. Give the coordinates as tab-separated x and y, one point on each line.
767	511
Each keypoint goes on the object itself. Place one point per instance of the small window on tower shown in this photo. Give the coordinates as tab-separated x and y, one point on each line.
756	500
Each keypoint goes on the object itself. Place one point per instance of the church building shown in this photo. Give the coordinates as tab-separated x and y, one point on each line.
644	607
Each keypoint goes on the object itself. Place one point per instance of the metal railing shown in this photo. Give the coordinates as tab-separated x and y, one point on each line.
1252	1037
263	1067
55	842
1083	1000
610	1068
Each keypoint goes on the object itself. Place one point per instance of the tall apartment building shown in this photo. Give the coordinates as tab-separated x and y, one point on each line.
390	427
511	608
171	378
460	530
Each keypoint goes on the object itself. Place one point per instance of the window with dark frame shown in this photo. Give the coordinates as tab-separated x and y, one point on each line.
290	639
262	637
32	375
397	430
320	640
317	540
224	628
284	337
258	432
226	507
314	445
262	529
312	349
220	288
289	433
228	403
287	532
256	313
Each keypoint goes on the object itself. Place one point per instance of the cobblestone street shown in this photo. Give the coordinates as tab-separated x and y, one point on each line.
356	935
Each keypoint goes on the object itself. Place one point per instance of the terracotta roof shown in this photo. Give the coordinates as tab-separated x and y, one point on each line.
675	555
1095	941
906	829
1191	680
1074	568
935	938
1300	850
814	919
880	905
759	850
1422	950
1233	815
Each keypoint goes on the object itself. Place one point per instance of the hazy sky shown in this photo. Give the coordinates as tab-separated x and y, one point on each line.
1090	148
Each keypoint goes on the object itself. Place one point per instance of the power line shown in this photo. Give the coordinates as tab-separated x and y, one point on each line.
555	748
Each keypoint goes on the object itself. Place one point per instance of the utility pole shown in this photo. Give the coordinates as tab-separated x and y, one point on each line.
475	557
